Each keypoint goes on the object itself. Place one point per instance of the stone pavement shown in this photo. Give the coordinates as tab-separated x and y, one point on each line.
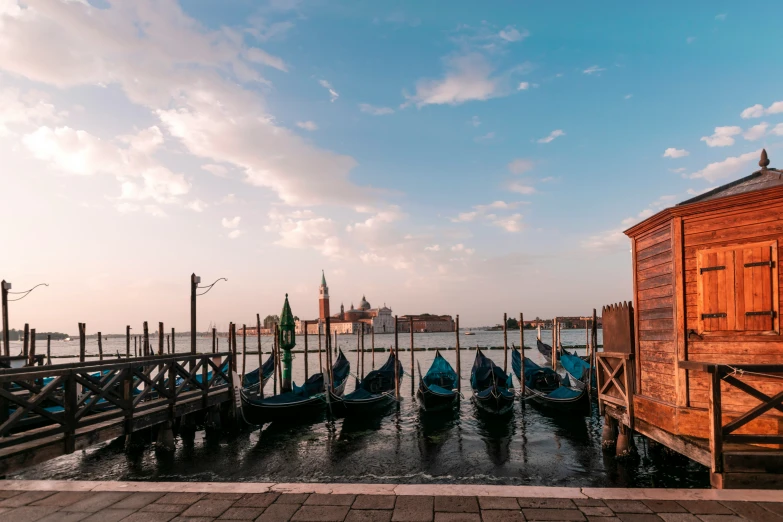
45	501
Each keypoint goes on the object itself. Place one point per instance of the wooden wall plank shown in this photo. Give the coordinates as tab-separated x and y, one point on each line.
660	259
653	282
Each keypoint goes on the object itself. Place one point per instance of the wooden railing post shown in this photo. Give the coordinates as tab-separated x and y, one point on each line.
716	421
69	403
127	395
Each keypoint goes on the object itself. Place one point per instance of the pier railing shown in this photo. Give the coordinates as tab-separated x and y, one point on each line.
615	378
722	434
46	411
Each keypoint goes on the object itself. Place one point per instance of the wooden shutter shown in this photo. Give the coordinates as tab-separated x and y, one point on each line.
716	290
757	299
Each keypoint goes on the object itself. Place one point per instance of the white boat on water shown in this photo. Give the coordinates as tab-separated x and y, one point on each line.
470	333
66	339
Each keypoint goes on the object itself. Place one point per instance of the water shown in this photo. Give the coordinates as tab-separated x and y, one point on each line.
402	445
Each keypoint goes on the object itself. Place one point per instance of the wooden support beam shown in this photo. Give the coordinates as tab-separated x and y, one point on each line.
716	423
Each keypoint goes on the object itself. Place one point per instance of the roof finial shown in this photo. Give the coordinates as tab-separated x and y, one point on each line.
764	161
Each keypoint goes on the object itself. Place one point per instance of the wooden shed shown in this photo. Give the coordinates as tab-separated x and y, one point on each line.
704	364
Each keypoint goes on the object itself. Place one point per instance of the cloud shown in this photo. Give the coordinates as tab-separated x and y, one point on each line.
721	17
777	130
628	96
729	167
333	95
234	234
307	125
758	110
486	137
552	135
433	248
475	121
469	78
512	223
593	69
375	111
489	214
690	39
723	136
459	247
679	170
231	223
523	86
257	55
520	166
756	132
22	109
216	170
671	152
614	239
511	34
521	188
197	205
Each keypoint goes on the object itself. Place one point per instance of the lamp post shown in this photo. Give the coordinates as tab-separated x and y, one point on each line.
5	286
287	341
194	282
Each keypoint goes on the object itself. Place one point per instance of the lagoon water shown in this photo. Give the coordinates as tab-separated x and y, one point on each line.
402	445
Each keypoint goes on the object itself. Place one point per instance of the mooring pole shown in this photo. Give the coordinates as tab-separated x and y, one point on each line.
372	343
194	281
4	288
396	358
127	341
358	365
214	340
362	374
320	359
307	373
593	350
554	344
275	357
135	348
49	349
505	342
413	362
459	368
336	342
26	339
82	341
173	343
329	352
146	339
260	358
244	355
522	335
31	361
161	335
100	346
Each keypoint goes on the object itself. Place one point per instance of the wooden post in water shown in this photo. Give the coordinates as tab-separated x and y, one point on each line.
505	342
336	343
49	349
372	343
522	335
459	367
307	372
173	343
31	361
146	339
127	342
26	340
328	337
100	346
362	374
4	288
260	358
135	348
82	341
275	358
396	358
168	344
320	359
593	350
161	335
587	338
214	340
358	369
244	355
413	362
554	344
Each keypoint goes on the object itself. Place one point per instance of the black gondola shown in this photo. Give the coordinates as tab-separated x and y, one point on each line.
298	404
438	388
545	350
545	386
374	392
250	382
493	390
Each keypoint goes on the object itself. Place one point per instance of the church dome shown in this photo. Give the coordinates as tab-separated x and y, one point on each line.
364	305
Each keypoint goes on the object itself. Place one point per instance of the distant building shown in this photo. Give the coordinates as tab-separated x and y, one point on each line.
426	323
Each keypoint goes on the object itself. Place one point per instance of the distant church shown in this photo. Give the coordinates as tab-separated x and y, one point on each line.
349	321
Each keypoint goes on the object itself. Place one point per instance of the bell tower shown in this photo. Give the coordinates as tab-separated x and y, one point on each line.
323	299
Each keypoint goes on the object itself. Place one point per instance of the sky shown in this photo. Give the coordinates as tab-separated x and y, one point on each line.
451	158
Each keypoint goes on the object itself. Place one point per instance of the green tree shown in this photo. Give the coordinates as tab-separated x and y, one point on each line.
271	320
512	324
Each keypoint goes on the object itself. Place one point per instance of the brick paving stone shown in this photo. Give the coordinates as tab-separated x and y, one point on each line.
775	507
27	513
705	507
278	513
374	502
292	498
320	499
638	517
174	509
596	511
109	515
753	511
180	498
603	519
25	498
192	519
720	518
320	513
502	515
96	502
498	503
137	500
664	506
592	502
545	503
223	496
8	494
457	517
241	513
456	504
61	516
412	508
62	499
207	508
256	500
149	517
678	517
553	514
369	515
627	506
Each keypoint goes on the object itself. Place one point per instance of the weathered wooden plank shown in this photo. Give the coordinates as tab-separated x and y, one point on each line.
656	324
655	271
653	237
652	386
662	313
654	293
656	335
659	357
657	346
709	223
761	345
654	250
654	412
653	304
666	279
741	233
659	259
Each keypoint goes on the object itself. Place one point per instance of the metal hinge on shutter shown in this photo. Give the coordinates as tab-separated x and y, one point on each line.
711	268
713	316
770	313
760	263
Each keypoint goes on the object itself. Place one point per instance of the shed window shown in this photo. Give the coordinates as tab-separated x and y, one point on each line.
738	288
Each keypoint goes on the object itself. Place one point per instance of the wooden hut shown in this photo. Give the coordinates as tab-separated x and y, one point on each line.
703	372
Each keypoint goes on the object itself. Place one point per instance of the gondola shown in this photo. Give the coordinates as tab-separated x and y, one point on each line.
298	404
578	370
438	387
545	350
250	382
374	392
493	390
545	387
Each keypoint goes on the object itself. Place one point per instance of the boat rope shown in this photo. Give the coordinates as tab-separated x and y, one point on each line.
740	372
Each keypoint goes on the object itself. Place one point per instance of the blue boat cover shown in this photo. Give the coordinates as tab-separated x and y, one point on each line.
251	378
382	379
434	388
536	377
486	374
441	377
563	392
575	366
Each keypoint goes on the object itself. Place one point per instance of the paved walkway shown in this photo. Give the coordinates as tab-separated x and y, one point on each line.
45	501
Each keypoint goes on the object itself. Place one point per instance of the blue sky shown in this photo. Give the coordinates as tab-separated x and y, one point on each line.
442	157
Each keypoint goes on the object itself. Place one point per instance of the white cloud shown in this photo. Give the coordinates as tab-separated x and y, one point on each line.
375	111
593	69
758	110
466	216
486	137
489	214
723	136
433	248
70	150
628	96
511	34
512	223
459	247
679	170
256	55
521	188
672	152
690	39
469	78
756	132
307	125
197	205
721	17
608	240
231	223
234	234
216	170
730	167
520	166
475	121
777	130
145	141
333	95
552	135
21	109
523	86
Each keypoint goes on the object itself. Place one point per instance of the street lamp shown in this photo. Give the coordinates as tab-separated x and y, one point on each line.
5	286
287	341
194	282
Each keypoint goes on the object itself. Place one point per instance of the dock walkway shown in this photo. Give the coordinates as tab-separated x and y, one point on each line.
44	501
